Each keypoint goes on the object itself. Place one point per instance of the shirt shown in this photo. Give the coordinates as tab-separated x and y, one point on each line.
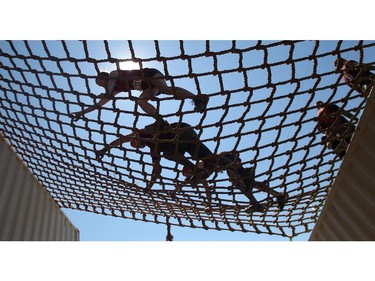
168	141
138	79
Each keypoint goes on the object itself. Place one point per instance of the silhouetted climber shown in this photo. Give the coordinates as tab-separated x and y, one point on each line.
356	76
336	128
241	178
182	139
148	80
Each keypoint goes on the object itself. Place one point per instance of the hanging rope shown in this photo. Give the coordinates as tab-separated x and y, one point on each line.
169	236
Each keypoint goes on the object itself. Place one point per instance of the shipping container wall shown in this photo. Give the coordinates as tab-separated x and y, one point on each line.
349	212
27	212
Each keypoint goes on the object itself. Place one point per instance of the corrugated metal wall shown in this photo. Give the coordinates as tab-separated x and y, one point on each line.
27	212
349	212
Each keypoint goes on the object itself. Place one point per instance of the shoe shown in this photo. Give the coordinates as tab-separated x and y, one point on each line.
99	154
254	208
281	200
200	103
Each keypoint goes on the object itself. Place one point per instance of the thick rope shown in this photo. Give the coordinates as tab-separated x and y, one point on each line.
262	105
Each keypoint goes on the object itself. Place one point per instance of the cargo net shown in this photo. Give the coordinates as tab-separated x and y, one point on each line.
262	104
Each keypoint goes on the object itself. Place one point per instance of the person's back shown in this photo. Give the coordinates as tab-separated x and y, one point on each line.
173	131
176	138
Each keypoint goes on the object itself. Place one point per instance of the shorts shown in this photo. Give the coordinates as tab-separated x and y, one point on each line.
193	146
141	84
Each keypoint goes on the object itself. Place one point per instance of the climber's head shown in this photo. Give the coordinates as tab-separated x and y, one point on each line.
319	104
102	78
339	63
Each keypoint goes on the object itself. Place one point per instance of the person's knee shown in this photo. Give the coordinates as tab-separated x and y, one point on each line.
165	89
142	101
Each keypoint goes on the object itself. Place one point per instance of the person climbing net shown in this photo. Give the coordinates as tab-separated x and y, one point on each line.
150	81
182	139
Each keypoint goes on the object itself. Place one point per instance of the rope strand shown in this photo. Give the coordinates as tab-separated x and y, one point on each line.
262	99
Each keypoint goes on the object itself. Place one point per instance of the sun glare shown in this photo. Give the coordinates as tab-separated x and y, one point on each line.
128	65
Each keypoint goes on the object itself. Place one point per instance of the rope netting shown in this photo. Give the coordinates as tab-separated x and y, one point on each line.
262	104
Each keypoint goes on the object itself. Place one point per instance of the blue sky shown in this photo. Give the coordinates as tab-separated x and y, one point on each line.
98	261
83	137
